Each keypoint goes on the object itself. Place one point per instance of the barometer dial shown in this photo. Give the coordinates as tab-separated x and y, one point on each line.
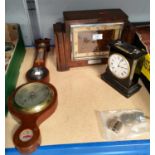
33	97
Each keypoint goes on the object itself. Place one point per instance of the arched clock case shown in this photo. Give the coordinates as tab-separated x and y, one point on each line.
124	67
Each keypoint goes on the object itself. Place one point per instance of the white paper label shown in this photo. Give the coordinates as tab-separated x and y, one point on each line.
97	36
90	62
26	135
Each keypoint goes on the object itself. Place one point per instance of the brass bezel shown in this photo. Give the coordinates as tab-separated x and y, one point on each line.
36	108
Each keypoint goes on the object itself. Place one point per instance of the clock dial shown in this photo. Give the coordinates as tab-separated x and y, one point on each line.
33	97
119	66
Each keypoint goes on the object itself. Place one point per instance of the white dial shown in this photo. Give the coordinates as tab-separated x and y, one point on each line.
119	66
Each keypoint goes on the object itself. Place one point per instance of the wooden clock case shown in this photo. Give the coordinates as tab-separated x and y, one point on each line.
108	23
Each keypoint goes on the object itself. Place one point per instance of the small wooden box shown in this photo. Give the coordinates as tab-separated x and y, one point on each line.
142	41
83	37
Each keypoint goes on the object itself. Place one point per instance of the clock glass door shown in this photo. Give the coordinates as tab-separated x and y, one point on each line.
119	66
89	41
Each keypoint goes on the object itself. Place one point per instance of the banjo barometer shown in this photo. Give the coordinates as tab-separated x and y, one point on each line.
31	104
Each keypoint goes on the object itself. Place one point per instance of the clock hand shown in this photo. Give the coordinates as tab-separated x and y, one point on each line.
122	67
119	62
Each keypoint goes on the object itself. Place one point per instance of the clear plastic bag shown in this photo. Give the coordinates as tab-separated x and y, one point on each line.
123	124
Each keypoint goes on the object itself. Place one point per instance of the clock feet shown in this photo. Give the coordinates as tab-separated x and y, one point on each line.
126	91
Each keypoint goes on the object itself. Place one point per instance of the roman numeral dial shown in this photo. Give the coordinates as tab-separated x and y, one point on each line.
119	66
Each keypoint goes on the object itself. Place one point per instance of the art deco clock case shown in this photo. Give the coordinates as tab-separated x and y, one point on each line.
124	67
33	102
39	72
84	36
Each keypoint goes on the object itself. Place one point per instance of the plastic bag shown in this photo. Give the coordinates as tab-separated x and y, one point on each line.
123	124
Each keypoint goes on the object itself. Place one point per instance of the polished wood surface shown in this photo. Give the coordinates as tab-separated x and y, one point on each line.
102	14
60	47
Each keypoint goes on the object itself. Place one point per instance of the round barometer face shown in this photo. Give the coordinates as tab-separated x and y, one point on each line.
33	97
119	66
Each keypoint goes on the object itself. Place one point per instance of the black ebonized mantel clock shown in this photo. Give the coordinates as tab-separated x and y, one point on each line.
124	67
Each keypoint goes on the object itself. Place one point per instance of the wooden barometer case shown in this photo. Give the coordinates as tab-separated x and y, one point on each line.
124	67
39	72
83	37
33	102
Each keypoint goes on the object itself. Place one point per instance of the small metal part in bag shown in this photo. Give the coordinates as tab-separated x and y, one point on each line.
114	124
129	118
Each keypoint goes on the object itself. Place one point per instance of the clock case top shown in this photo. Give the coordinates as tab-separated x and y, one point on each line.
128	50
94	16
62	33
135	57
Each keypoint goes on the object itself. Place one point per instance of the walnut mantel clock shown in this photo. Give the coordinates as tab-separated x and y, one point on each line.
124	67
83	37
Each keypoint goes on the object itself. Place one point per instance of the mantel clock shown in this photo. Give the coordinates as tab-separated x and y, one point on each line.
83	37
124	67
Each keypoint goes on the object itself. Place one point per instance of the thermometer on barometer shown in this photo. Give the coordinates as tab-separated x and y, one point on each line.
31	104
38	71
